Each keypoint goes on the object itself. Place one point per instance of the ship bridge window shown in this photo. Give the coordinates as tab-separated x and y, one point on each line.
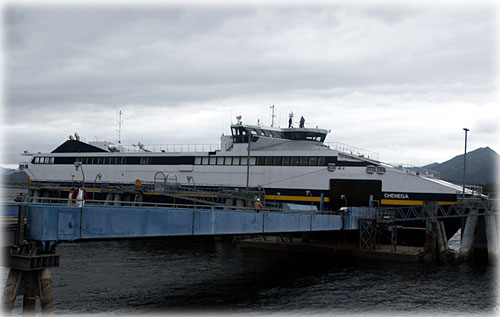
277	161
204	160
276	134
268	133
236	160
295	160
286	161
304	161
197	160
299	135
220	160
212	160
227	160
243	160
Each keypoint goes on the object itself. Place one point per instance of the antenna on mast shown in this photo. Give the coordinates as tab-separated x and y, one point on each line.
120	127
272	115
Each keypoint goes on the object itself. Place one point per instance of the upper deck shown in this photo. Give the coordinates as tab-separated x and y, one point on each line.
240	133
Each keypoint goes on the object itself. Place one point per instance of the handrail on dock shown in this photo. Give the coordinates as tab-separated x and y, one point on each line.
128	203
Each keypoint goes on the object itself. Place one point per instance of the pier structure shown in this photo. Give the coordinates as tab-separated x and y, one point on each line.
35	229
473	237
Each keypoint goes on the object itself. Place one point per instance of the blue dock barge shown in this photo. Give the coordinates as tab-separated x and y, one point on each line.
55	222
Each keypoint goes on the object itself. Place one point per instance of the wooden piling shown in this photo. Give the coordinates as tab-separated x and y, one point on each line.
10	290
445	239
46	292
30	284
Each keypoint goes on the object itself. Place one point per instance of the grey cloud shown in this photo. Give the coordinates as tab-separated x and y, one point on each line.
60	58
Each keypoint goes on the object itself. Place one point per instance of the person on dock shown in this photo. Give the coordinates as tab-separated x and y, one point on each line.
302	122
80	196
290	123
257	205
70	197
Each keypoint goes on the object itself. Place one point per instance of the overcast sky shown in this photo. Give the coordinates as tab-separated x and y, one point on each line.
400	80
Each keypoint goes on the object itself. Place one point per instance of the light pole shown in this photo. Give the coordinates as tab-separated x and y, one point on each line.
248	158
465	159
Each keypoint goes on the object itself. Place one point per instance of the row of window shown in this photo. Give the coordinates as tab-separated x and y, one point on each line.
188	160
122	160
266	160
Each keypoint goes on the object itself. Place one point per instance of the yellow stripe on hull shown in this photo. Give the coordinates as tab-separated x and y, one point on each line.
297	198
411	202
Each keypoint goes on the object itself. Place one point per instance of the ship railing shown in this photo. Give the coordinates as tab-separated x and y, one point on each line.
415	170
207	147
473	191
268	207
353	150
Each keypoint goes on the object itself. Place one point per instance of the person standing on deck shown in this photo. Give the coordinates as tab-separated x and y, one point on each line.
70	197
80	195
302	121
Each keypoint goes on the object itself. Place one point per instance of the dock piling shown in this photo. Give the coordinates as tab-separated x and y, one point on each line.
491	236
468	235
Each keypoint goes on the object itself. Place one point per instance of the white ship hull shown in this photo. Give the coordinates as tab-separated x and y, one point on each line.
286	169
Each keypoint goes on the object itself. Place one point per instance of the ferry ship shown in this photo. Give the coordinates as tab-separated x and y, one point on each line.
292	165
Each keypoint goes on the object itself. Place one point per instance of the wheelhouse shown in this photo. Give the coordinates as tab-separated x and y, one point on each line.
241	132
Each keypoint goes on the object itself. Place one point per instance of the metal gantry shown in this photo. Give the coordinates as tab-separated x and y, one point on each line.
434	211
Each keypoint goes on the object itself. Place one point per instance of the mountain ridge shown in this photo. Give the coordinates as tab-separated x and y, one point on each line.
481	167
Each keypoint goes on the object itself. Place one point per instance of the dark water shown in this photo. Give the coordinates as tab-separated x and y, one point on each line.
203	276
